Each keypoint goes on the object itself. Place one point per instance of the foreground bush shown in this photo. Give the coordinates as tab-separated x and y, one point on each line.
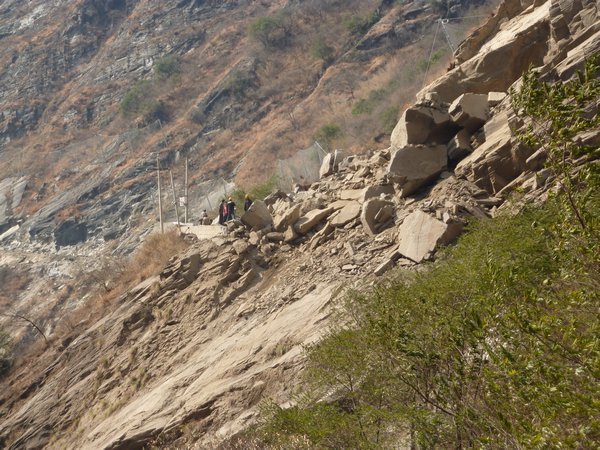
496	345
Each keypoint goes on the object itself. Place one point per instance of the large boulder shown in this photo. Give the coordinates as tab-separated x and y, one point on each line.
289	217
70	232
346	215
459	146
413	166
420	234
11	193
422	124
258	216
327	166
273	197
578	52
351	194
470	111
499	160
495	98
311	219
376	214
377	190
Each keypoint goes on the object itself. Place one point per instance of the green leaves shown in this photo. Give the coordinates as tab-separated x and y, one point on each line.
327	134
486	348
167	67
271	31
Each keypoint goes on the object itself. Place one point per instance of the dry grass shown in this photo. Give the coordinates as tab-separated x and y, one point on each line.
13	282
116	276
112	279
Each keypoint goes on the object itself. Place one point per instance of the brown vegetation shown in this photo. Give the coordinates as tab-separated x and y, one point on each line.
13	282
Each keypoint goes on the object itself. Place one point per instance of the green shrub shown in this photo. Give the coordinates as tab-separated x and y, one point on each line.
436	56
271	32
556	113
257	192
134	98
377	95
323	51
487	348
167	67
137	99
389	119
366	106
140	100
362	106
239	83
357	25
155	110
327	134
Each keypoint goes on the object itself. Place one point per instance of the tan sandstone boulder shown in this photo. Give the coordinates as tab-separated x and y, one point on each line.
258	216
413	166
420	234
376	214
470	111
311	219
346	215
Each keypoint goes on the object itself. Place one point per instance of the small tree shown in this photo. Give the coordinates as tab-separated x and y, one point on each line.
239	82
328	133
362	106
167	67
357	25
140	100
323	51
271	32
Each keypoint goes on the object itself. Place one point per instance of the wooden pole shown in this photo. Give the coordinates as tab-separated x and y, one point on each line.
160	216
185	219
174	198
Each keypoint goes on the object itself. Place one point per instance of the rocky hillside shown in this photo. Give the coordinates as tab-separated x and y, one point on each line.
91	91
235	87
189	353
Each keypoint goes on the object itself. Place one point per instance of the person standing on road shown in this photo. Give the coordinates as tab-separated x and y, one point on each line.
222	212
230	209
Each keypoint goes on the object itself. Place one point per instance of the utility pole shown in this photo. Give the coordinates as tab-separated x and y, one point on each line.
174	199
185	219
160	216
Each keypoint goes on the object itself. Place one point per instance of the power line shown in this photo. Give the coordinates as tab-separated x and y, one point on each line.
443	22
437	28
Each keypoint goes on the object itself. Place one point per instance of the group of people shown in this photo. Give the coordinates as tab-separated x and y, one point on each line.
226	211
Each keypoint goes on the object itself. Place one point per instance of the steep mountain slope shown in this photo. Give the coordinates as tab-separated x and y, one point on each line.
223	325
113	87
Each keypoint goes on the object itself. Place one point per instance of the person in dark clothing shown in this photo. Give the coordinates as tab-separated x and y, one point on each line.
247	203
230	209
222	212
